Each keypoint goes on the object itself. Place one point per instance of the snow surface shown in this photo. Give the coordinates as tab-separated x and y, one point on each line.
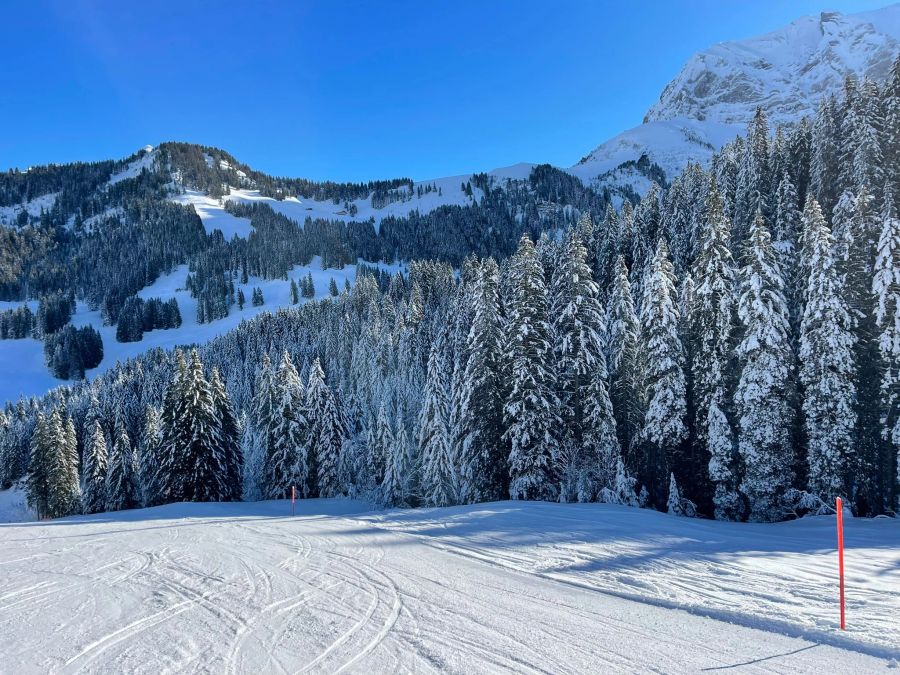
8	214
501	587
147	161
448	191
23	371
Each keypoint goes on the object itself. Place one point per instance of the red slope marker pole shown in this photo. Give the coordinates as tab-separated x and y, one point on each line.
293	498
840	536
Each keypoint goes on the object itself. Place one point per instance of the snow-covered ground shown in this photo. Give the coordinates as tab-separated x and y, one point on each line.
502	587
23	371
9	214
447	191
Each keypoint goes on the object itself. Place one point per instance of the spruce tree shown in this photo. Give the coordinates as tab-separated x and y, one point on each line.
712	317
96	454
625	363
580	373
121	479
485	471
228	448
529	410
664	429
886	290
827	370
38	482
723	464
762	399
327	431
438	485
288	462
786	236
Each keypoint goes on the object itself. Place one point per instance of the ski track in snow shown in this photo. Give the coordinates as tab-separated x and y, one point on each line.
504	587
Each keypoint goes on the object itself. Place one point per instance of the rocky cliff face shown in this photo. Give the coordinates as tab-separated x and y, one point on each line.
717	91
786	71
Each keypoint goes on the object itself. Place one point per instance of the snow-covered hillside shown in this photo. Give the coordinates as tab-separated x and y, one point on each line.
715	94
500	587
23	371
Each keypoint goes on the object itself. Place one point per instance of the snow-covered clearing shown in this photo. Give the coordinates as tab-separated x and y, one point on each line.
23	371
503	587
9	214
447	191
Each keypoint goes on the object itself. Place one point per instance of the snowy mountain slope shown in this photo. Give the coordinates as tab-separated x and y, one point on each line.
715	94
243	587
786	71
23	371
446	191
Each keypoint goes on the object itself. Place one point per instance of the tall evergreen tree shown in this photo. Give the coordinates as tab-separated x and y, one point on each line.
485	471
228	432
121	479
664	429
439	486
762	399
827	370
886	289
577	330
327	431
529	410
712	317
95	463
625	363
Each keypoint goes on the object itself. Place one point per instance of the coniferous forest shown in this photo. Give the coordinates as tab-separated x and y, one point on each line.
727	346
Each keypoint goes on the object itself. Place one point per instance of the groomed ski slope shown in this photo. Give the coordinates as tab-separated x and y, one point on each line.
502	587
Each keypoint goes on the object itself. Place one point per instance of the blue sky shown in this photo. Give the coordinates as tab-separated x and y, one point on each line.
352	90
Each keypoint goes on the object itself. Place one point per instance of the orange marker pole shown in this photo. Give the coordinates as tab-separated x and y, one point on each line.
294	499
840	536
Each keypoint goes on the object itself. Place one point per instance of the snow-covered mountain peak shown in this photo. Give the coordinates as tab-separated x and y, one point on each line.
785	71
716	93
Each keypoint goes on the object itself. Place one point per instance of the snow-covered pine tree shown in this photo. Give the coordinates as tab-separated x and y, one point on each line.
891	130
149	455
824	164
327	431
439	486
763	395
886	289
857	268
786	235
827	368
607	246
95	462
529	410
599	440
257	440
287	461
485	473
121	479
578	329
712	319
723	464
676	504
754	188
381	445
399	486
664	428
191	464
38	481
625	362
53	488
228	432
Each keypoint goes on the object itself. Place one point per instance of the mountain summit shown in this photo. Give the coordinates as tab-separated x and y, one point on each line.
786	72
